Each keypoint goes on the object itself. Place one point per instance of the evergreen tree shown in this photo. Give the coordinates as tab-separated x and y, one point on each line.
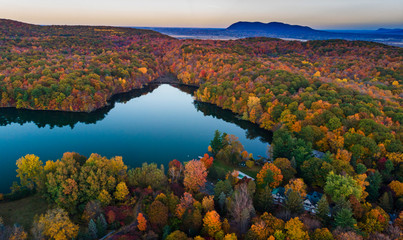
341	204
293	162
344	219
386	173
361	168
221	201
375	181
216	144
92	229
263	200
101	225
166	231
293	202
386	202
323	208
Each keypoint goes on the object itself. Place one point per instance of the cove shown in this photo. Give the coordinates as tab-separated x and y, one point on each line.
156	124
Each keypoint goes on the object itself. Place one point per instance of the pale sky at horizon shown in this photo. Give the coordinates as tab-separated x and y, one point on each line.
320	14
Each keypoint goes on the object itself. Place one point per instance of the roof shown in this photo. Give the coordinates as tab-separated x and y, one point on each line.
314	197
279	190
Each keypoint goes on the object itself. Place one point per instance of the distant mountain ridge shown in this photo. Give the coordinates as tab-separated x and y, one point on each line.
277	27
390	30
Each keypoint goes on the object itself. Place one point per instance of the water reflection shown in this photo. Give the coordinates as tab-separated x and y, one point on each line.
253	131
60	119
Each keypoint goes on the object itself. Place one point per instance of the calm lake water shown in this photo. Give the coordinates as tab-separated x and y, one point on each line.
155	124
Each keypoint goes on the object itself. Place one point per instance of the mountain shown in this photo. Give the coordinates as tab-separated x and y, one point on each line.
273	27
389	31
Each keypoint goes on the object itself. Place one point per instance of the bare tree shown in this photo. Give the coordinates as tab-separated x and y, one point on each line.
241	207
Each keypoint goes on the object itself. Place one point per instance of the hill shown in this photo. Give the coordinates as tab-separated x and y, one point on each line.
274	27
389	31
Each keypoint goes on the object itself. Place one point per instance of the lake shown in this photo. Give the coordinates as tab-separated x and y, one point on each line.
155	124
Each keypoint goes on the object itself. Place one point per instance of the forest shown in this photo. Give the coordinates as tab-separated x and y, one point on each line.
95	197
342	98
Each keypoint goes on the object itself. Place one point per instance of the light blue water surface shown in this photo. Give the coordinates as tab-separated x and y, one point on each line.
157	124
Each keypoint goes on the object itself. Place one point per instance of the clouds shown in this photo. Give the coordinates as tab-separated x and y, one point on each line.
206	13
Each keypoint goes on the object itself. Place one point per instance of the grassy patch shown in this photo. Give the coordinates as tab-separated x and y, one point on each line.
23	211
221	168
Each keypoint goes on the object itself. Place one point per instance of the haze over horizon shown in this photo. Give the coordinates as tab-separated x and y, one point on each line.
324	14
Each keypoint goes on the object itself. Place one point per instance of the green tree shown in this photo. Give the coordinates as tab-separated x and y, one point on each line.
386	202
293	202
375	181
223	186
263	200
323	208
315	170
386	173
101	225
286	168
286	146
231	150
177	235
361	168
217	143
341	187
344	219
333	123
147	175
92	229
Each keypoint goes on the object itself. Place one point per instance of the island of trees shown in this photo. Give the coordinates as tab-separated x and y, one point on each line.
343	98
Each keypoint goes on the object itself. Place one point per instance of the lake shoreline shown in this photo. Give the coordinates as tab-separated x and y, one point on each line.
164	79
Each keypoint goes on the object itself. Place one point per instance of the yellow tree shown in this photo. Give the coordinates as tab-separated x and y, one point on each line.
57	225
397	187
259	230
297	185
18	233
230	236
30	171
295	230
121	191
104	197
376	220
208	203
288	118
100	173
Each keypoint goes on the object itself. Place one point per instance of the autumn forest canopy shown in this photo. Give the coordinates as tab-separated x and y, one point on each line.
334	94
341	98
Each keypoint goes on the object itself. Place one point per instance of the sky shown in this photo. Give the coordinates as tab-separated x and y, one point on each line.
319	14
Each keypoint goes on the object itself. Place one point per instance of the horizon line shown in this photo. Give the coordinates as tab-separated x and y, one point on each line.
329	28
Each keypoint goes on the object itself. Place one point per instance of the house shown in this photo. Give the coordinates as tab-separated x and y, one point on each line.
309	206
314	197
242	175
311	201
278	195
